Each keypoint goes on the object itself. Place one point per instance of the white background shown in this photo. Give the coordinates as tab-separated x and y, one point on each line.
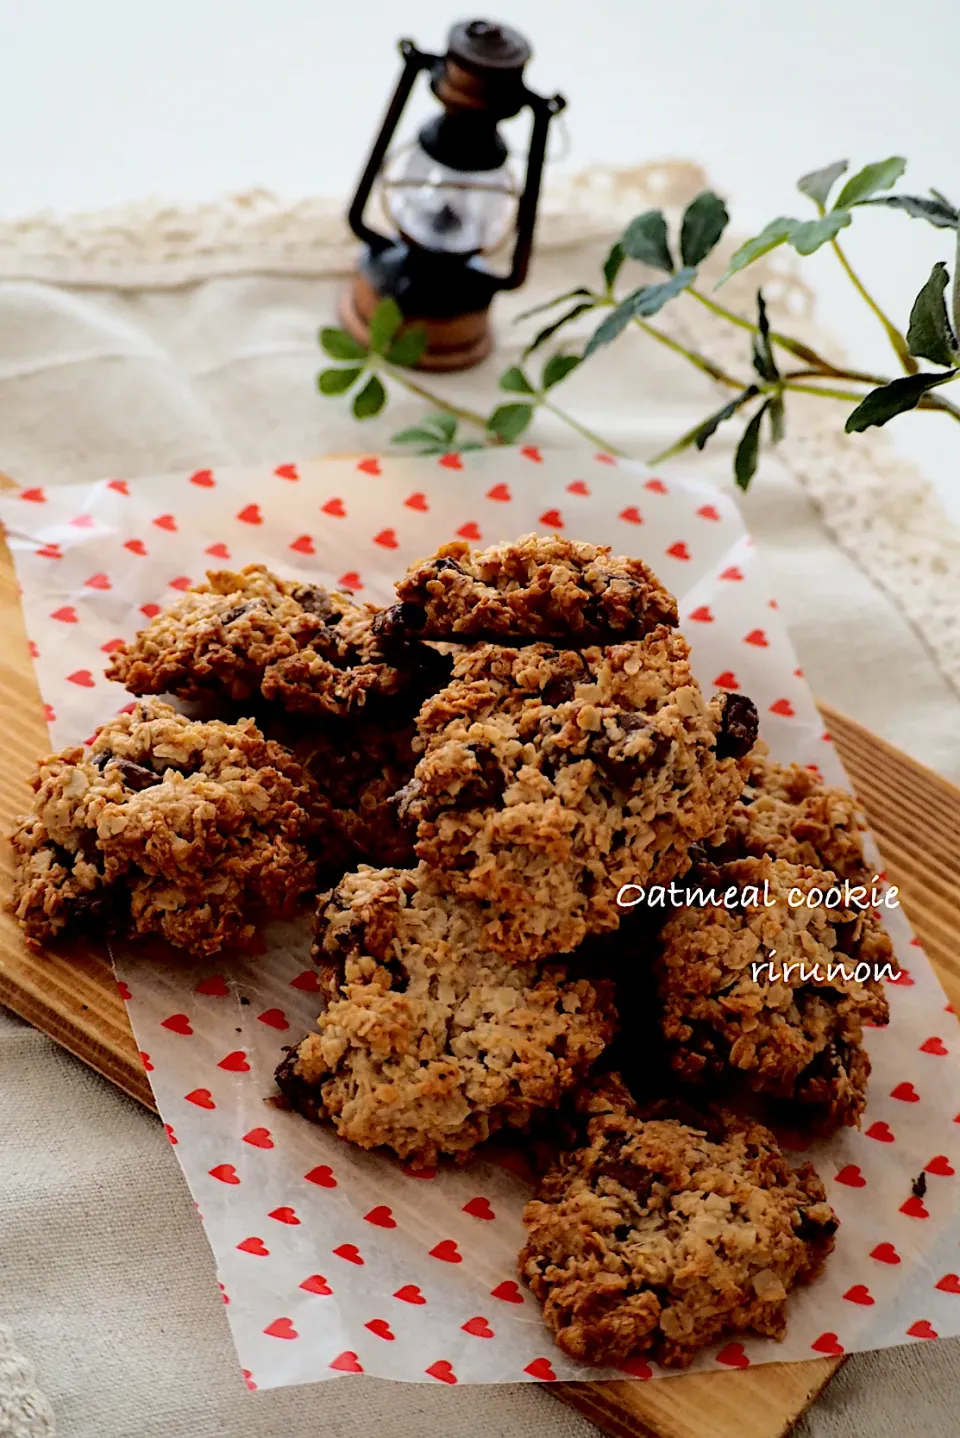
108	101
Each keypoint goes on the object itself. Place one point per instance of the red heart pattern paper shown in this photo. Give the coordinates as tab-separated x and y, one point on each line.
325	1251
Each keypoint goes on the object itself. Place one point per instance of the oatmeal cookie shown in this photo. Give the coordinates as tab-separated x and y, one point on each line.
430	1042
660	1236
786	812
550	777
536	587
242	635
165	826
797	1035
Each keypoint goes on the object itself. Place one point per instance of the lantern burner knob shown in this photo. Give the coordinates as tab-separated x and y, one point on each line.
481	43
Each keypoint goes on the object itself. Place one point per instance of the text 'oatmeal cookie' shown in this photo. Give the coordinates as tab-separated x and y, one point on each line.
248	634
165	826
659	1236
792	1029
785	811
430	1042
536	587
551	777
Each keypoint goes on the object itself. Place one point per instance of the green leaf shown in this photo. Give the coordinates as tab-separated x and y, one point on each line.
768	239
579	293
515	380
550	330
509	421
557	368
407	348
870	180
384	323
645	239
748	450
818	184
704	221
649	300
936	211
700	433
809	235
641	304
338	381
419	434
341	346
443	425
880	405
930	335
370	400
611	266
777	418
763	360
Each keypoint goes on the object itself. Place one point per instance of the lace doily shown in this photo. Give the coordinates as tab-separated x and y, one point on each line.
24	1411
876	505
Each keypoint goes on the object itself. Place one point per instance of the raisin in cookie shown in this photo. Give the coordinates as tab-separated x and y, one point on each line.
533	588
660	1236
430	1042
303	647
786	812
165	826
551	777
792	1033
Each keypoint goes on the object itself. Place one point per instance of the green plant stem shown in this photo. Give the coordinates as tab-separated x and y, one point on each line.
927	401
893	334
792	346
933	401
458	411
581	429
821	390
860	376
701	361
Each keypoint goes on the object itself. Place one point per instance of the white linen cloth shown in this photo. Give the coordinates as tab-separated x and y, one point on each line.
202	351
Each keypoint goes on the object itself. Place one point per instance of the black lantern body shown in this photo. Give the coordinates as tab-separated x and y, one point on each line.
451	195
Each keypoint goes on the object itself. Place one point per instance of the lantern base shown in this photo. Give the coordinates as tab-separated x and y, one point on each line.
453	342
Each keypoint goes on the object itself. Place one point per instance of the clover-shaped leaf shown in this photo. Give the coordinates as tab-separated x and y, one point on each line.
384	323
930	334
509	421
370	400
340	345
338	381
645	239
704	221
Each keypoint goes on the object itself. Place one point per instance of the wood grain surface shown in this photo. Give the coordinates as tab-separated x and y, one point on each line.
73	997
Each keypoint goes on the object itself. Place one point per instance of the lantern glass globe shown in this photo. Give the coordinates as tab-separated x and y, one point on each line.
456	212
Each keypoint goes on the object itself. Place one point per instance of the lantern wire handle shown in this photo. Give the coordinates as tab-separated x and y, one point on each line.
562	151
544	108
414	61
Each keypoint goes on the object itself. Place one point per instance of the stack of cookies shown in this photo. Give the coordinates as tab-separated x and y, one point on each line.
472	776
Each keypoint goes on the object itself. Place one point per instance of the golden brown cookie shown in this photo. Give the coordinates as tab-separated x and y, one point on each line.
430	1042
536	587
250	634
551	777
769	991
660	1236
165	826
787	812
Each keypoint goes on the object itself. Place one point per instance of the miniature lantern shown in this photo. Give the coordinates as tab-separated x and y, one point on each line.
451	195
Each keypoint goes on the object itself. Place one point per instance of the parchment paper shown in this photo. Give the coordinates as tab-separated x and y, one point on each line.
332	1260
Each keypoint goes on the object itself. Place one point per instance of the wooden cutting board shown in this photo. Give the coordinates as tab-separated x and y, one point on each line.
73	997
